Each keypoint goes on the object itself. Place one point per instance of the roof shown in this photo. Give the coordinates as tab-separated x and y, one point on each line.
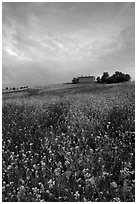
86	76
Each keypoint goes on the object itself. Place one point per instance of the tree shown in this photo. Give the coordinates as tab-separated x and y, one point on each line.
127	77
121	77
75	80
104	77
98	79
6	88
117	77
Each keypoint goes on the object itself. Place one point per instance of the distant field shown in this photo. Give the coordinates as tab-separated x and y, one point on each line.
61	89
69	143
14	93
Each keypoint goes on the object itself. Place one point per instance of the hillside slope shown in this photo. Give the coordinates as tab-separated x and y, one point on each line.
70	144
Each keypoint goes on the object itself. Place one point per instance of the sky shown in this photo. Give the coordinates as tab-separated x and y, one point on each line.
52	42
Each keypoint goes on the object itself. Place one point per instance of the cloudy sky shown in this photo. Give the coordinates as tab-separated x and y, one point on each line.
45	43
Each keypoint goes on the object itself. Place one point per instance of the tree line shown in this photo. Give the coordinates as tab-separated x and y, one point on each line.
14	88
117	77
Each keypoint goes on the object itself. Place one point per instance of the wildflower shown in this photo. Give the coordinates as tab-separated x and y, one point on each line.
92	181
116	199
113	184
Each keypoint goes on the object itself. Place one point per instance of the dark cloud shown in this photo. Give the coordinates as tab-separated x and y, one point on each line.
51	42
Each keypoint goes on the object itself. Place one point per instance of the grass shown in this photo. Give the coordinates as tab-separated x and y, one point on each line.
70	144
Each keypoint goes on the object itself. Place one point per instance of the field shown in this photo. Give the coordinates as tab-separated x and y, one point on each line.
12	94
70	143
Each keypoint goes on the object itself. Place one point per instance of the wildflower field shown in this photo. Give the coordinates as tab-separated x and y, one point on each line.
75	144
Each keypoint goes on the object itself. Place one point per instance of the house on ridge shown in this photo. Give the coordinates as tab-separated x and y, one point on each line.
83	79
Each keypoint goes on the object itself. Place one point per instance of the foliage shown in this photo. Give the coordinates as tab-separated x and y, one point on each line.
70	147
98	79
75	80
104	77
117	77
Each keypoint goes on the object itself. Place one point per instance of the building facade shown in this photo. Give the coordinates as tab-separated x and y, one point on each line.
86	79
